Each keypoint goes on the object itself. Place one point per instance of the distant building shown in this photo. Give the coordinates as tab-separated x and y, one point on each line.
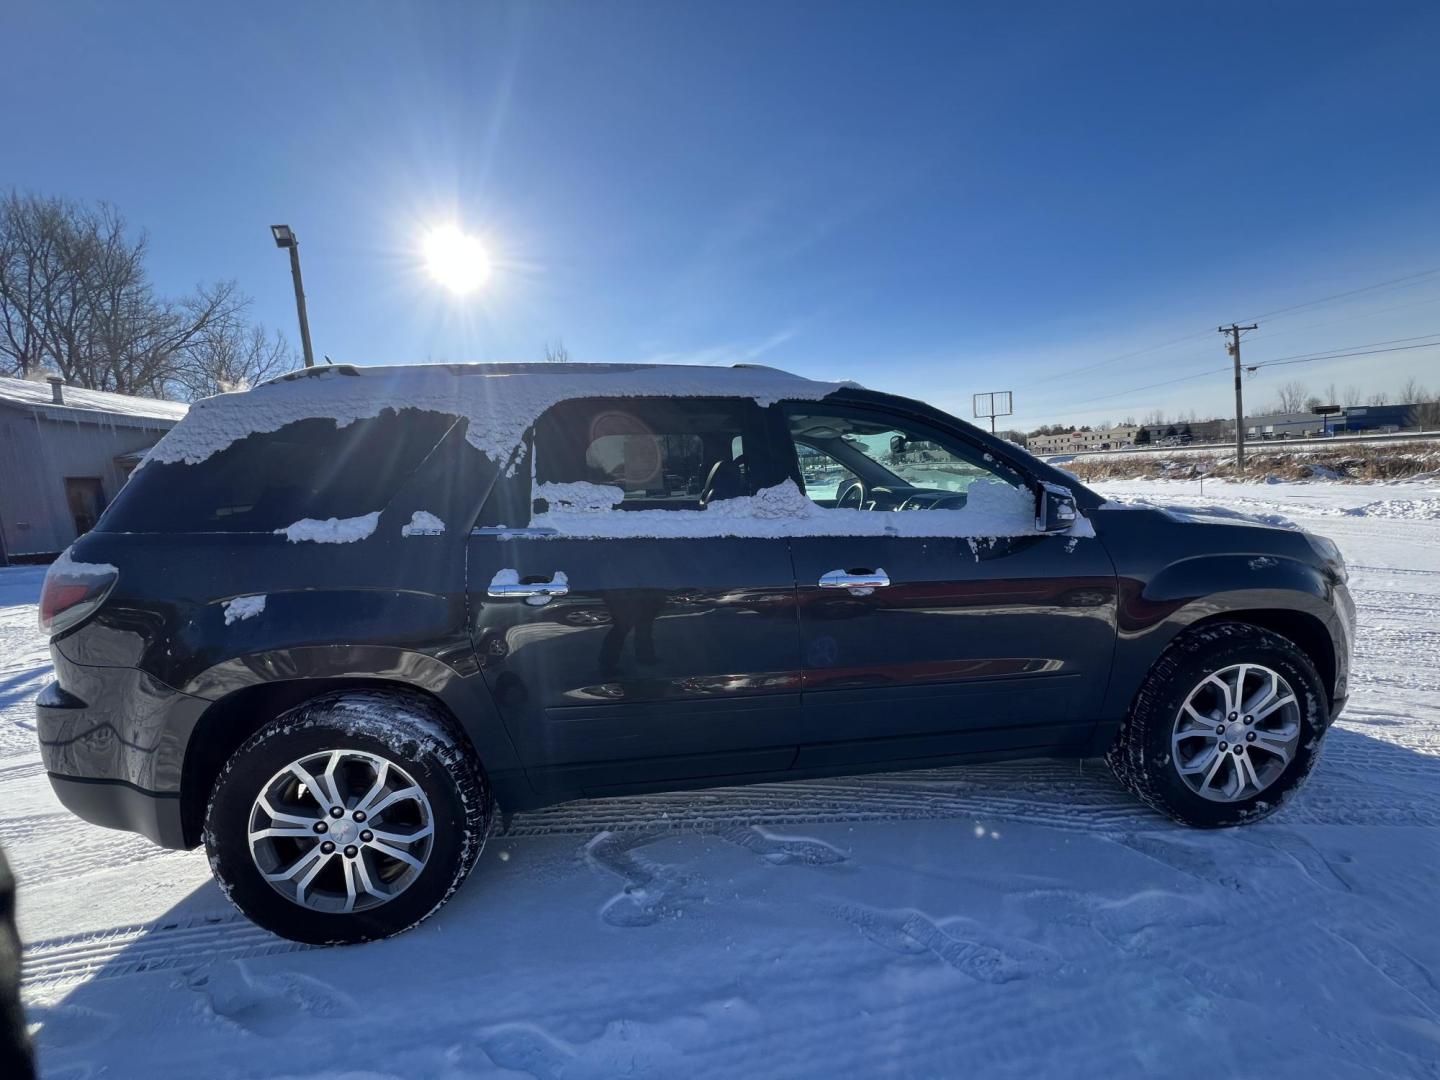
64	453
1072	442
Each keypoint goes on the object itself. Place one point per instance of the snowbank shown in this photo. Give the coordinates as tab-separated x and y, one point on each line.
499	404
332	530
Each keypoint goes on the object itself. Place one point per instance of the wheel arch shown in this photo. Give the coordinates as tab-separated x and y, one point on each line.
1307	631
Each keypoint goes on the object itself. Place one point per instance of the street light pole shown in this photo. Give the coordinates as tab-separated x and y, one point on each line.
285	238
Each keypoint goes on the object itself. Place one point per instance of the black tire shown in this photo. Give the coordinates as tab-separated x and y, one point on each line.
407	731
1141	754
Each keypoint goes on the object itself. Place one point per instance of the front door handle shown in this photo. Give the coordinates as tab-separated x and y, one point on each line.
859	582
507	583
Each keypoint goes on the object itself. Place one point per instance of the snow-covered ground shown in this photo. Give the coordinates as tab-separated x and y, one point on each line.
1009	920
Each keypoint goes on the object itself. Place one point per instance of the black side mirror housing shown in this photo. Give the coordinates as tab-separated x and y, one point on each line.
1055	508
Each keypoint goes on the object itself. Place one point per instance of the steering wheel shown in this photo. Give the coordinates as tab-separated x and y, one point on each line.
851	495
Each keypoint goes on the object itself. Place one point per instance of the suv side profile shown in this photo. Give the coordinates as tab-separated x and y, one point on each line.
336	622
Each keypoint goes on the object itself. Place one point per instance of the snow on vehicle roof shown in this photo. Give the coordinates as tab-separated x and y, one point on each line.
30	394
500	401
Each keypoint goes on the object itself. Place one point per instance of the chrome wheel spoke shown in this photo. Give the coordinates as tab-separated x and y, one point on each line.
396	853
1200	763
314	858
381	775
1276	743
1288	699
1247	771
1227	696
311	785
277	816
1220	720
1217	763
403	838
393	798
363	872
294	832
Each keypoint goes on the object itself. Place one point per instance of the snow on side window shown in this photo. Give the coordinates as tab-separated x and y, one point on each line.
993	508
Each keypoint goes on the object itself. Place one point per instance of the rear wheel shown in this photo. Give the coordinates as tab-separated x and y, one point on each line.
1226	726
349	818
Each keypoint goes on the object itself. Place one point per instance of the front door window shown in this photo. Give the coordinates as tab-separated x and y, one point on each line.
850	460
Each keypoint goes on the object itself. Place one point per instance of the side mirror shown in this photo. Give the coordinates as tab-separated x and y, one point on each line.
898	444
1055	509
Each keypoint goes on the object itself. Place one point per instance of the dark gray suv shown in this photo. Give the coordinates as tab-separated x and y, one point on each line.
333	623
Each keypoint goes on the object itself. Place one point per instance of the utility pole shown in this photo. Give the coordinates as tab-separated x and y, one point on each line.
285	238
1234	350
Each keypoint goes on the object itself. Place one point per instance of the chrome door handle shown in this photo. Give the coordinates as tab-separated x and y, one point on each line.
506	584
861	583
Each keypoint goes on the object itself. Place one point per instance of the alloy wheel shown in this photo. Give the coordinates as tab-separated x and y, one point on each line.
341	831
1236	732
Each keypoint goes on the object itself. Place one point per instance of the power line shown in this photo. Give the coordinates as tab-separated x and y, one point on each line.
1271	315
1151	386
1279	362
1340	356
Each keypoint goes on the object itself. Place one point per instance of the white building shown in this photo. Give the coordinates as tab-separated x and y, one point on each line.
64	453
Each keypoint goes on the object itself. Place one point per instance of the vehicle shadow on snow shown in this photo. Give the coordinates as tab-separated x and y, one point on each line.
579	892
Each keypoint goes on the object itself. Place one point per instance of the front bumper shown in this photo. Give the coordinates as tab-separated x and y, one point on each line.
113	741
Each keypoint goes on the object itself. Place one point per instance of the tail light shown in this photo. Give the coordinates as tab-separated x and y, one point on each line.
72	592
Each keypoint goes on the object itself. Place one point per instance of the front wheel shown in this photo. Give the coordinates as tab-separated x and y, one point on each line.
349	818
1225	727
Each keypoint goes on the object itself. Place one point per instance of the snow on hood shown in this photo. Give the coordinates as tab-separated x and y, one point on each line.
499	405
587	511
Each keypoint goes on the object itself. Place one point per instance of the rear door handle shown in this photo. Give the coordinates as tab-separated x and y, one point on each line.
506	584
859	582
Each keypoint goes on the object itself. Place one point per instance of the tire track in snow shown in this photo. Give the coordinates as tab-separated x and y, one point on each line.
81	851
134	950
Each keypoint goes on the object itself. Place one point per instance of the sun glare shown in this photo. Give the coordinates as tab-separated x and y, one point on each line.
456	260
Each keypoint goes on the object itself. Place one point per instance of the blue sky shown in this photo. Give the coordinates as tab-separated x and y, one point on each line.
930	199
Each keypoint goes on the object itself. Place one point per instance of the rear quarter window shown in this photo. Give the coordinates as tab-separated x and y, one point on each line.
264	482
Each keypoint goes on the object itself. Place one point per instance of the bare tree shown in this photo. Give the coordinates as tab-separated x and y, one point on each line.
556	353
230	355
75	297
1412	392
1290	397
1380	398
1353	395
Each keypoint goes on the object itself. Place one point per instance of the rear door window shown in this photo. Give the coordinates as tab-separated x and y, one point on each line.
661	454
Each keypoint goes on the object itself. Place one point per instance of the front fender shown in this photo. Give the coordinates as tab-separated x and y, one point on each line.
1266	588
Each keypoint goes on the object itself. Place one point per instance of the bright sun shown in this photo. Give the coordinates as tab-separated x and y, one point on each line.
456	260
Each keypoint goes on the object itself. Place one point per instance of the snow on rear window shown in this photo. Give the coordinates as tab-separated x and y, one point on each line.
499	405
